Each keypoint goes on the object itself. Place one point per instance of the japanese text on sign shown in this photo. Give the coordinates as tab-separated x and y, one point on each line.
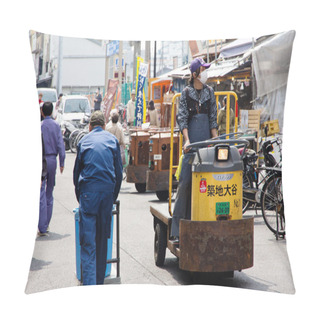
143	69
220	191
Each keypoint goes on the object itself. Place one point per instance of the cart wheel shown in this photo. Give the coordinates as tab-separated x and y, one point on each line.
160	244
140	187
155	222
163	195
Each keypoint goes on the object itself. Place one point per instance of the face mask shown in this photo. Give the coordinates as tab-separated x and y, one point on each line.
203	77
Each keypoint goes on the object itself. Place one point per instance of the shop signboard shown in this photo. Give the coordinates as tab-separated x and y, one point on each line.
112	48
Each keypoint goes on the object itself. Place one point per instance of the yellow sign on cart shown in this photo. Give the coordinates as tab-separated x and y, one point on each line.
216	196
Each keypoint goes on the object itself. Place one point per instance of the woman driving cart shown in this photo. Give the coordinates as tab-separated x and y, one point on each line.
197	119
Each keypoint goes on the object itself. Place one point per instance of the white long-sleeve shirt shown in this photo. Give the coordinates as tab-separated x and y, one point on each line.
131	108
116	130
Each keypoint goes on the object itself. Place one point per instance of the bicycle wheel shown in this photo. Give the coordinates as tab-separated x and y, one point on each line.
72	140
246	184
80	135
272	205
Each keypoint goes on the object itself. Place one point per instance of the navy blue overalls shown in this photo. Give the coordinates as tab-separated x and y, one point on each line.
97	179
53	145
198	130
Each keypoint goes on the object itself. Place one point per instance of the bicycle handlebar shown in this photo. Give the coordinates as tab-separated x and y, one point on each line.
276	141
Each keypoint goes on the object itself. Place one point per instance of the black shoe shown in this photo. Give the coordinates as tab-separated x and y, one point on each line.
42	234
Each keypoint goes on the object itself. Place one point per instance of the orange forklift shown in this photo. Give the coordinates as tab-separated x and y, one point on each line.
159	158
150	147
138	158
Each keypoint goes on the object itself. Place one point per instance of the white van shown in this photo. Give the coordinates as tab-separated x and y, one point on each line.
50	95
73	108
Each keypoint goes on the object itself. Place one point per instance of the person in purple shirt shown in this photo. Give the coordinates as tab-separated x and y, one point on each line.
53	146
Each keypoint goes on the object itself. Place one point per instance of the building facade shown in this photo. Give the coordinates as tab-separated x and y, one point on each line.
44	50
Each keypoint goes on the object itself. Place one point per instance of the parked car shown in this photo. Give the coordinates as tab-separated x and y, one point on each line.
73	108
49	94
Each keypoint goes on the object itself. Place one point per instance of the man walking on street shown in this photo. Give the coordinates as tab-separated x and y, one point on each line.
42	224
97	177
53	146
114	127
97	100
222	118
131	108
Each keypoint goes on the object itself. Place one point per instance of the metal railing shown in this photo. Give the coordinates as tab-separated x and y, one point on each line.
217	94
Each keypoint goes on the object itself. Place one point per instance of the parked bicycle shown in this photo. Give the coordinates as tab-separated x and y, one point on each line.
262	186
76	135
70	130
67	129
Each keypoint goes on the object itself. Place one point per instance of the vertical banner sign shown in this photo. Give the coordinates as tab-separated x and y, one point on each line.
140	60
109	97
140	97
118	96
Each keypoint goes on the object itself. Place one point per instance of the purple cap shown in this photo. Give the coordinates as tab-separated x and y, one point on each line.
198	62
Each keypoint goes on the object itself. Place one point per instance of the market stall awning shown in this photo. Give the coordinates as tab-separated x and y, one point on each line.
211	50
236	48
271	61
182	72
223	66
160	79
216	71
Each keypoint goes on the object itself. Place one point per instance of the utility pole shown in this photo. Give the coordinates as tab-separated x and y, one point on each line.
182	53
215	51
147	56
120	61
107	71
120	65
147	60
155	60
60	58
162	64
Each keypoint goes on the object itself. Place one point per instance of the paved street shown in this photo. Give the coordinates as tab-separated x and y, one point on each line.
54	264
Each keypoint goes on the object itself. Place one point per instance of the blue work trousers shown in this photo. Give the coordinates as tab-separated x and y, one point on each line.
51	181
95	227
46	194
43	221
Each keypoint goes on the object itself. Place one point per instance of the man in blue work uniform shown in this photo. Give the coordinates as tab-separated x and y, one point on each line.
53	146
42	224
97	177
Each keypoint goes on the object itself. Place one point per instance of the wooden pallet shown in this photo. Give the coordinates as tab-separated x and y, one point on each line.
252	122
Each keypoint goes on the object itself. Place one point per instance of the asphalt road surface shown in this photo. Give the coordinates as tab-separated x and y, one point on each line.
53	263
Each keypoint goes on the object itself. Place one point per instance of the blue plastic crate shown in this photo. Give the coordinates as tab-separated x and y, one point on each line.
78	247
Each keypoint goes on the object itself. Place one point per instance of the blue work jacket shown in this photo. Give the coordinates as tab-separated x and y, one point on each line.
98	166
52	139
